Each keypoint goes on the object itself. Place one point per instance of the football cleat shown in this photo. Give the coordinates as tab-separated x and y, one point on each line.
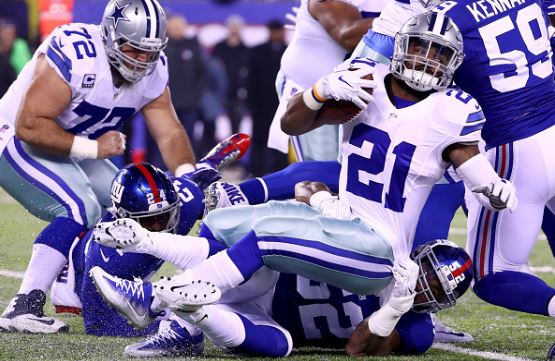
131	299
445	334
187	297
551	353
223	195
170	340
227	151
25	314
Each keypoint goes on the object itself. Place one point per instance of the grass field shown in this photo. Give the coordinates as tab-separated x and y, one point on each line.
499	334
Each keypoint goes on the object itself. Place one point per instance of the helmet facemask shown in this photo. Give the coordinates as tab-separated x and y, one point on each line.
162	213
426	55
435	283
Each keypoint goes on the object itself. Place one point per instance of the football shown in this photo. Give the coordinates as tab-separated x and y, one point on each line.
339	111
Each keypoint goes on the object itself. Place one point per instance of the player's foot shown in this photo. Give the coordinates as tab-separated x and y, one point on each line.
188	297
130	298
551	353
170	340
228	150
222	195
25	313
446	334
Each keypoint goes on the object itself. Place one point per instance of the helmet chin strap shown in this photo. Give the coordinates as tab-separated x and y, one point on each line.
419	80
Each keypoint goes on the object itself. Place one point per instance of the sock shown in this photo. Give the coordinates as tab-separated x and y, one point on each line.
281	185
214	245
218	269
516	291
60	234
45	265
221	326
548	227
182	251
263	340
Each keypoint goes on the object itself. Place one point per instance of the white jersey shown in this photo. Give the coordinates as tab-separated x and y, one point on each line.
76	52
393	157
312	52
395	14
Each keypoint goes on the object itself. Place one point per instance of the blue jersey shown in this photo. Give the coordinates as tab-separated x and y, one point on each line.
317	314
99	319
507	65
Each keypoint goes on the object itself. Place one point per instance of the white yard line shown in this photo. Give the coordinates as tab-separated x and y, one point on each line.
484	354
11	274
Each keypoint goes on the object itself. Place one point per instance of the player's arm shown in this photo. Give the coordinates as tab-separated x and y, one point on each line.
47	97
169	134
480	177
341	20
364	342
349	84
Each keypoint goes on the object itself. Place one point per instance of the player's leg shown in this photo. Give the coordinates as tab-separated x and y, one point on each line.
244	328
500	242
548	227
343	253
54	189
275	186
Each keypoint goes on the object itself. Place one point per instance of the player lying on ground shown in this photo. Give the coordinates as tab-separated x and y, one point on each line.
251	321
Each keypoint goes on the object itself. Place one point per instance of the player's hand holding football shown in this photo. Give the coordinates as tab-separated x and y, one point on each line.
348	83
110	144
125	234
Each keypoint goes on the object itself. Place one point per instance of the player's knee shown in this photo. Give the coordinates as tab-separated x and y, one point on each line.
263	340
93	211
417	333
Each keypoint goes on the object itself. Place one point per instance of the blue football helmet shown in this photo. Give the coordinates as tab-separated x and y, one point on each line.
445	274
147	195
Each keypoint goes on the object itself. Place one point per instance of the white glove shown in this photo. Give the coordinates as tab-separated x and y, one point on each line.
349	85
405	272
330	205
125	234
292	17
501	194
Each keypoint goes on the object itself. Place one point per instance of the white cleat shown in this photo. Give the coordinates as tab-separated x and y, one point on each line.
187	297
25	314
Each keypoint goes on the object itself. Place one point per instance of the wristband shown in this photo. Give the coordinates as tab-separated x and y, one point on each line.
383	321
310	100
477	172
84	148
184	168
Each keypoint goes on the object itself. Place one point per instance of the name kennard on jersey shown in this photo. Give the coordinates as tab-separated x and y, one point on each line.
484	9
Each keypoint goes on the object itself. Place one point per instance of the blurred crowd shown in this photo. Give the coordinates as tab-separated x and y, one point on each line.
216	91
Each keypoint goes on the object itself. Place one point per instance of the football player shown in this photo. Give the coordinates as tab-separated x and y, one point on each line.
325	33
508	69
412	130
64	113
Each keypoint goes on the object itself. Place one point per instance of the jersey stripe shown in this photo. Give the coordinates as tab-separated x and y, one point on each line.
472	128
62	62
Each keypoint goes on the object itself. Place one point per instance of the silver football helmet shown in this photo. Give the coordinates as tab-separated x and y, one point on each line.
428	49
140	24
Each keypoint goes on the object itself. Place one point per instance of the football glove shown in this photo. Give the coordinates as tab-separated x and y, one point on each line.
405	272
125	234
501	194
348	84
223	195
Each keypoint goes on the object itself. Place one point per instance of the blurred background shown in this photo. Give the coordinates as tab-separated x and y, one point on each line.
223	58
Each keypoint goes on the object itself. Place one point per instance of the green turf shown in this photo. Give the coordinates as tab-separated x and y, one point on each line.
495	329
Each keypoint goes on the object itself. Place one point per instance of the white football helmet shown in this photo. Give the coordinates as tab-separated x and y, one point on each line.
140	24
428	50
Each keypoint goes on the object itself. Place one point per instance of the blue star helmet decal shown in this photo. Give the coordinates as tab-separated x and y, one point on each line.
118	14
